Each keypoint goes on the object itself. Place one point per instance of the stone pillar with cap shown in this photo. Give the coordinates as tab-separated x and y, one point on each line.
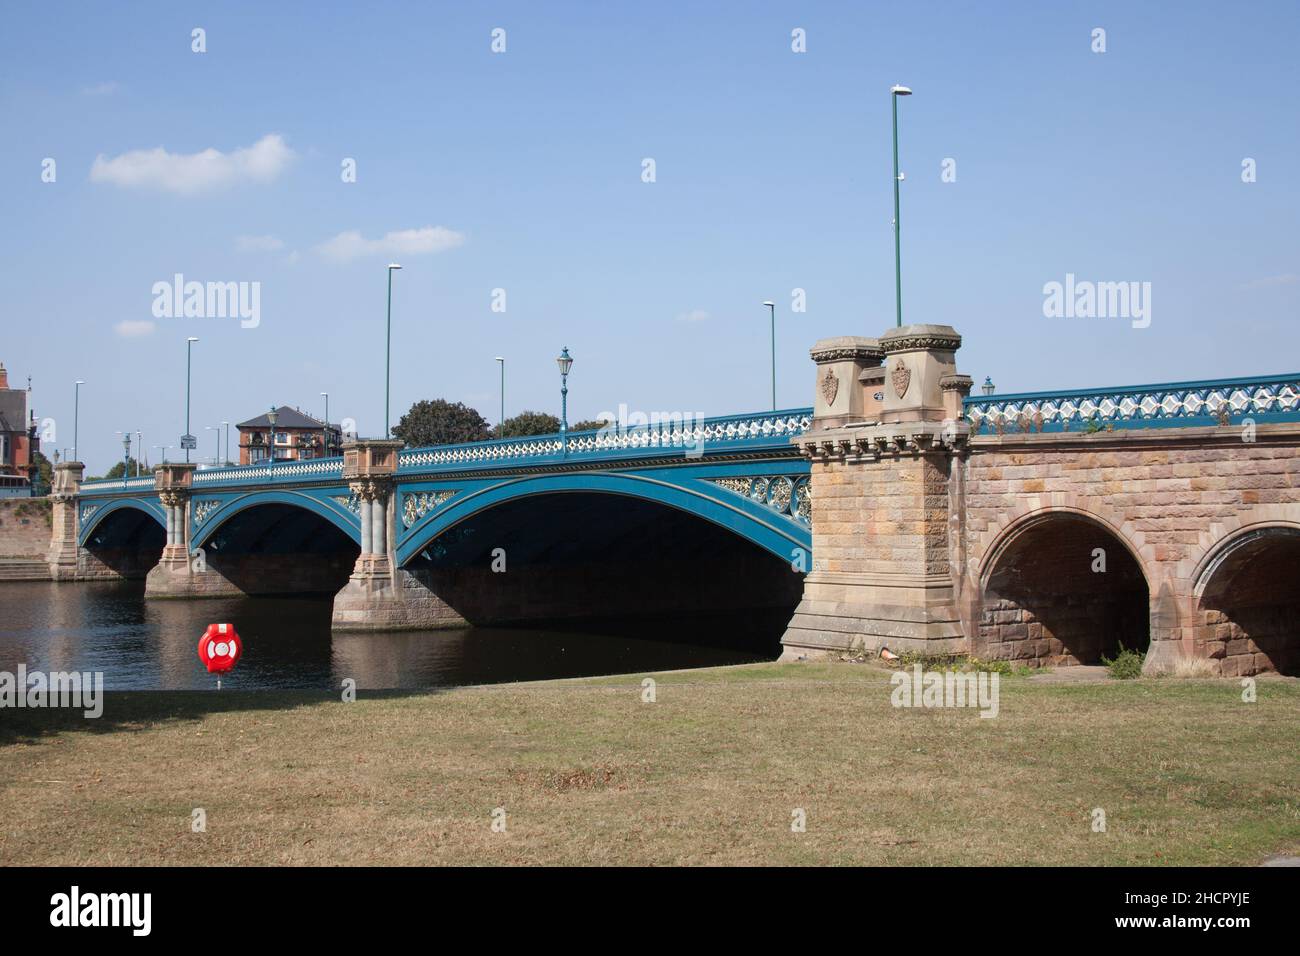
379	596
62	556
886	502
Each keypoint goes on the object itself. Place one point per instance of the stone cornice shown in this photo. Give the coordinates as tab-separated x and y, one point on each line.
847	347
958	383
911	338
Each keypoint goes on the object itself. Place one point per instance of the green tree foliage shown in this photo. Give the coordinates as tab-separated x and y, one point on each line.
527	423
440	422
589	425
116	470
44	471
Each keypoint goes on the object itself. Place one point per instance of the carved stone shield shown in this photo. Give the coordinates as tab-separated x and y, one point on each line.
830	387
901	377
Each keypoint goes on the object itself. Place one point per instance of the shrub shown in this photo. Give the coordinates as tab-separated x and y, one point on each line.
1125	665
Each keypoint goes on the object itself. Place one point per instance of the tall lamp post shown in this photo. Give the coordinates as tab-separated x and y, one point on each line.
189	346
225	458
164	449
76	416
771	310
328	447
388	344
216	447
502	362
894	93
565	363
139	450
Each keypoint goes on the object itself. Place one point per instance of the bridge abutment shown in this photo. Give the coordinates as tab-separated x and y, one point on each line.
379	596
883	445
64	551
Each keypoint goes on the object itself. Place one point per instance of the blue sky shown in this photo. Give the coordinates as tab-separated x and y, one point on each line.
772	173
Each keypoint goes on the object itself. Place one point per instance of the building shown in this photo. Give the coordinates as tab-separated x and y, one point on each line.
297	437
18	440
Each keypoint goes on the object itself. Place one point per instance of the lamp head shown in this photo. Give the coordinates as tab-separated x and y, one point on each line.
564	361
900	90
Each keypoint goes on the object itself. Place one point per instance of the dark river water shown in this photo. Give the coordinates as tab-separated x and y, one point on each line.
153	645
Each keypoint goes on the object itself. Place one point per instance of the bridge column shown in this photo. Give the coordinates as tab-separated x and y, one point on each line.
62	557
177	574
379	596
886	447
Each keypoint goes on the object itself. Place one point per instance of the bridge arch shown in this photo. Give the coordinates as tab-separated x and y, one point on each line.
753	521
230	508
1246	608
1063	584
93	522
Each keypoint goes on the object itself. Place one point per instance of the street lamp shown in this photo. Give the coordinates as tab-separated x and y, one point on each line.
771	309
388	343
126	456
216	448
565	363
502	361
164	449
225	459
271	416
894	93
139	450
328	450
76	416
189	345
988	386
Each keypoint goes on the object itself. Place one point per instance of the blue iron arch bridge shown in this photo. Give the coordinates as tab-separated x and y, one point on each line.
739	472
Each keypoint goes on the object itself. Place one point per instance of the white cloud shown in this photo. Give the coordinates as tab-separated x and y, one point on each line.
695	315
133	328
259	244
1286	278
101	89
404	242
188	173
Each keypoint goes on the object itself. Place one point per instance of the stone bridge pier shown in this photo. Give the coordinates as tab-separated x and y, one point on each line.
944	524
379	595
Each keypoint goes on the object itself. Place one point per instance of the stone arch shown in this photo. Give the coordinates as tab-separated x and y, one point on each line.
1245	606
1062	584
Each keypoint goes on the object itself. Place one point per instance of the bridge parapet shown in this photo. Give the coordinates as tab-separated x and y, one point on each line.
1269	398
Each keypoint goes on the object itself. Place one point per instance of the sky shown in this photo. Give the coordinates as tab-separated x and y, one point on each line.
524	170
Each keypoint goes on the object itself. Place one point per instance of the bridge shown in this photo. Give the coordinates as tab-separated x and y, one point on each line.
898	511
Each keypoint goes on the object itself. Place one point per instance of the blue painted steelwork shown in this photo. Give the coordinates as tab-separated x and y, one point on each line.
210	511
90	514
1267	398
754	520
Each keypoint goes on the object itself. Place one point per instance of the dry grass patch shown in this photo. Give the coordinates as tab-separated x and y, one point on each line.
710	773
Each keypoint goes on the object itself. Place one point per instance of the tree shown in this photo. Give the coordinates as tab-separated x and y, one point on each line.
44	471
527	423
440	422
591	425
116	471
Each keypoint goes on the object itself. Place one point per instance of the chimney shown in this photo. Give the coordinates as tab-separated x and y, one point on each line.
4	376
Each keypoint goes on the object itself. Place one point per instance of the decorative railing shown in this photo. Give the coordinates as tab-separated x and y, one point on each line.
1269	398
117	484
671	437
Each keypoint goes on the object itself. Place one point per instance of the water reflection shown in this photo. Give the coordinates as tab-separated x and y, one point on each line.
141	644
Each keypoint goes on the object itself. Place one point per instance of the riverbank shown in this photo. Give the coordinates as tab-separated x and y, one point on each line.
713	771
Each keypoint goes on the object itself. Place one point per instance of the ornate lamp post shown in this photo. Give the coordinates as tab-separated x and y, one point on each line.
271	416
565	363
126	457
988	386
894	93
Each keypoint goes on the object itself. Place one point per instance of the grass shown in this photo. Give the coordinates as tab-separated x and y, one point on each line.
710	773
